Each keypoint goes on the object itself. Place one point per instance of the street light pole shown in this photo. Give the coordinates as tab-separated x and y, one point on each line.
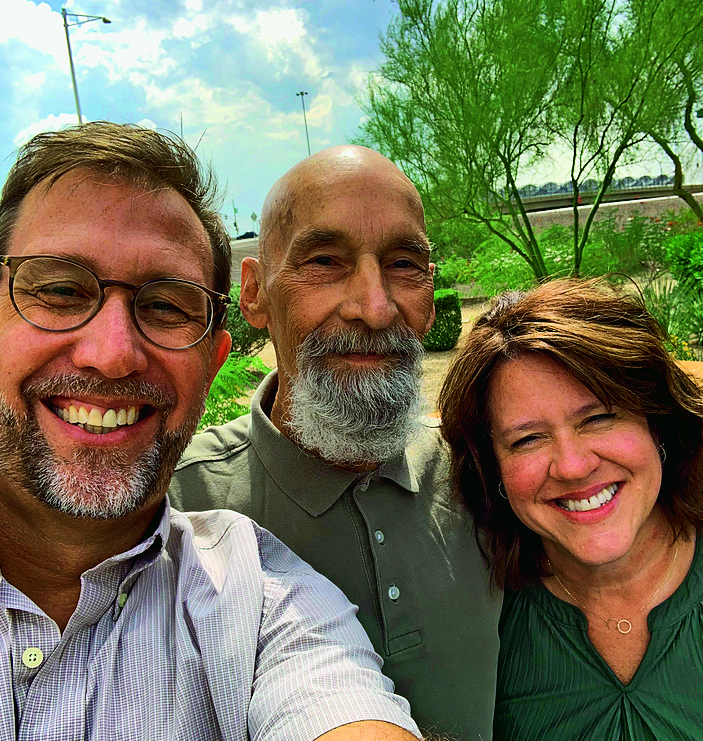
305	119
66	25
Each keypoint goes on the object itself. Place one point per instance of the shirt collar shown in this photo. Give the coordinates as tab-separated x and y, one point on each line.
107	580
311	482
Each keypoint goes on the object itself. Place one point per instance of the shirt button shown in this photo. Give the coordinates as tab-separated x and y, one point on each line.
393	592
32	657
380	537
121	600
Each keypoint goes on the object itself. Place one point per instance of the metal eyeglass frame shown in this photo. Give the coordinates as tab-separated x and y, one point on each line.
219	301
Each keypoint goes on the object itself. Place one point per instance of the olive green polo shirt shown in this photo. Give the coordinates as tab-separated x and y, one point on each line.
391	539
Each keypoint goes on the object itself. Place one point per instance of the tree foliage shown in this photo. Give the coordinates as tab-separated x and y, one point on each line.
474	93
681	84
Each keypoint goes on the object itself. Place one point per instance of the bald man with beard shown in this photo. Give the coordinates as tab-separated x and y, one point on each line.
334	458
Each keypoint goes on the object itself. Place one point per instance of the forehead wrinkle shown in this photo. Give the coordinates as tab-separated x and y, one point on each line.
171	217
346	168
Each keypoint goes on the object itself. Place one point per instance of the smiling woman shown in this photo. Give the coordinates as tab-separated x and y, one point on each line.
574	436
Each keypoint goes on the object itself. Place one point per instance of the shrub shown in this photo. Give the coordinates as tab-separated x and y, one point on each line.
456	236
495	268
449	272
246	340
679	309
238	375
684	254
632	249
447	324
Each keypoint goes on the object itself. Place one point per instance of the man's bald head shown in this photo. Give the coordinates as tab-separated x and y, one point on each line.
346	165
344	285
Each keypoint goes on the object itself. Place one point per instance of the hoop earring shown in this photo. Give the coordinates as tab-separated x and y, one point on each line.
662	452
501	490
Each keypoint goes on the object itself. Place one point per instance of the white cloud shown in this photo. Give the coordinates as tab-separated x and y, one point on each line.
358	79
209	106
33	82
283	35
186	28
27	88
281	135
50	123
36	26
147	123
127	52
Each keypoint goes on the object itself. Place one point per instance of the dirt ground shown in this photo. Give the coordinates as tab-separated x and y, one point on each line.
434	365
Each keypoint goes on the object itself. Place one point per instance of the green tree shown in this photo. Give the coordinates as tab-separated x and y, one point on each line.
473	94
681	86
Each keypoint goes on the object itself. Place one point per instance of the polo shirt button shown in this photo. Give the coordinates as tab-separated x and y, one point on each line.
380	537
393	592
32	657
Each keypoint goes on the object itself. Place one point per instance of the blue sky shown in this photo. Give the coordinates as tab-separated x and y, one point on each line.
228	69
225	70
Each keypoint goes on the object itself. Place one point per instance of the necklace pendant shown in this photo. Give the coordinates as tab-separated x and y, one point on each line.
613	624
624	626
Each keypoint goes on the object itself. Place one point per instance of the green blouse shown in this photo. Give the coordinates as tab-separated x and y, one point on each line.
554	686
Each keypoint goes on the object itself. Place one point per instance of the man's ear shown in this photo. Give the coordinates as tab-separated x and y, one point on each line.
251	297
430	321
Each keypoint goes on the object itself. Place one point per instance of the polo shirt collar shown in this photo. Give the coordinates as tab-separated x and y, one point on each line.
311	482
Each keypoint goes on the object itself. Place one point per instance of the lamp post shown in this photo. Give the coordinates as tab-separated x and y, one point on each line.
66	25
305	119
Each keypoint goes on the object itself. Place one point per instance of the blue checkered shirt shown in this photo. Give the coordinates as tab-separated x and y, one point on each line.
209	629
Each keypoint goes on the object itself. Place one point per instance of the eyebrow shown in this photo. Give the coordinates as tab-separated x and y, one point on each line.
310	237
532	423
313	237
413	244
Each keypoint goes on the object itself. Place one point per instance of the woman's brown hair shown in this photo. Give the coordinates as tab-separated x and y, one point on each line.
606	339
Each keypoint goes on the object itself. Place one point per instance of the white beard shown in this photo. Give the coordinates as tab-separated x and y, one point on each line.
352	416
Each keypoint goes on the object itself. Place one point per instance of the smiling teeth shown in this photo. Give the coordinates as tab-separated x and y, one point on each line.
93	421
586	505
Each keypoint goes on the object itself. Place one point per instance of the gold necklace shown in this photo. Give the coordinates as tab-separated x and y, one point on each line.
623	625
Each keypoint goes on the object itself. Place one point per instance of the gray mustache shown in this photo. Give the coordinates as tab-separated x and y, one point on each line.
399	341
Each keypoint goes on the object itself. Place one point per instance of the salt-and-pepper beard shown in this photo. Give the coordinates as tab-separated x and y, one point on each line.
97	483
359	415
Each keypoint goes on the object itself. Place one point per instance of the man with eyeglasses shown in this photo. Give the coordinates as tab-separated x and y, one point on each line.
121	618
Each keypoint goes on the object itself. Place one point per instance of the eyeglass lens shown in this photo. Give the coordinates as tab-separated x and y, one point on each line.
58	295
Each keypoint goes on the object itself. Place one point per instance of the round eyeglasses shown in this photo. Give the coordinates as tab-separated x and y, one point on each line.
59	295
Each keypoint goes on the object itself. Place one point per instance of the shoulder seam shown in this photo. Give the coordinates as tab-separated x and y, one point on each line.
204	458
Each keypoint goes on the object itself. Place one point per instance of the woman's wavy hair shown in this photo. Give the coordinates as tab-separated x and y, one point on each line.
606	339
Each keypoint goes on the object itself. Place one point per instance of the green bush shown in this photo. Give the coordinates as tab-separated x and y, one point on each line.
679	309
495	268
684	253
238	375
636	247
447	324
454	237
246	340
449	272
